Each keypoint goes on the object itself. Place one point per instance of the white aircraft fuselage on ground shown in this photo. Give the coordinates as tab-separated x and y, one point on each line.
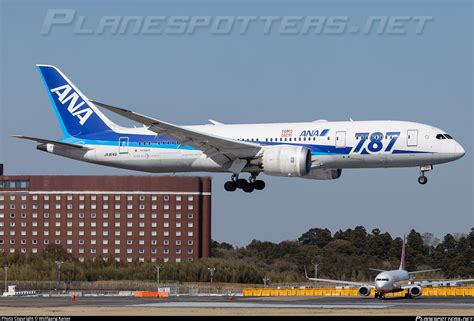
392	281
313	150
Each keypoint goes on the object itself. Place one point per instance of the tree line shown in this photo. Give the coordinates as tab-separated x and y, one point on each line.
343	255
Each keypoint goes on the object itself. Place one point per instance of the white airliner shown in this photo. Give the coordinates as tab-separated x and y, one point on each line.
313	150
393	281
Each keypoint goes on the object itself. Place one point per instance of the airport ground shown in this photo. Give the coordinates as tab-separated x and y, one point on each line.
221	305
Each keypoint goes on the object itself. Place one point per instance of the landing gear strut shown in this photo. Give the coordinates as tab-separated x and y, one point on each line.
423	179
247	186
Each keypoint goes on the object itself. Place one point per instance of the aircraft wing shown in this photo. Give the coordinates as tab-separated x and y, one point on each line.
47	141
229	153
435	283
341	282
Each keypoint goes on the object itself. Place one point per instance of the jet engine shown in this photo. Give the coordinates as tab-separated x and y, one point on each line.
364	291
285	160
324	174
416	290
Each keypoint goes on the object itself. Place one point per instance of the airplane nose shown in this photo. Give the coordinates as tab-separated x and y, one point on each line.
459	150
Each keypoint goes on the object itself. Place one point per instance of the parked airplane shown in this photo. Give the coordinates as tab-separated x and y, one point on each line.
313	150
393	281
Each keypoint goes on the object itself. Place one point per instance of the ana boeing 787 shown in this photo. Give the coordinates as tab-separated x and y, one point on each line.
313	150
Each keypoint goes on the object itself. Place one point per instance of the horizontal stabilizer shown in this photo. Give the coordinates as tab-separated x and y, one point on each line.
423	271
377	270
47	141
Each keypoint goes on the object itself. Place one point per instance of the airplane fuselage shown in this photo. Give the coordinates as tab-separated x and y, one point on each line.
333	145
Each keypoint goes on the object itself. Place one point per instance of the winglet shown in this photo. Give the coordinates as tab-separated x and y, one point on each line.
212	121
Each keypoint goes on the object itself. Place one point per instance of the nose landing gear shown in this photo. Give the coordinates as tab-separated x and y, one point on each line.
247	186
423	179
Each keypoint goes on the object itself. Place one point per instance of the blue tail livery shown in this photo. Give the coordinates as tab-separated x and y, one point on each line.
77	116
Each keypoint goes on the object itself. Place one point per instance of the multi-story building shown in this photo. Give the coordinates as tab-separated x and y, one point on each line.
126	218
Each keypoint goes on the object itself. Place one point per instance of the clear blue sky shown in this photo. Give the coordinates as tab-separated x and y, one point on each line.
258	77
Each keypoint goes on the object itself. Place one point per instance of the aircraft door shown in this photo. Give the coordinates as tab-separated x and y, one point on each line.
412	137
340	139
123	145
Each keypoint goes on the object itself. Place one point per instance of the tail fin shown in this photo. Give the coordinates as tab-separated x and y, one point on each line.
402	259
77	116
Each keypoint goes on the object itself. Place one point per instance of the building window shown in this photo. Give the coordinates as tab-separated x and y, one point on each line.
81	241
178	224
23	197
166	198
69	242
12	215
129	251
190	207
129	215
93	197
154	197
35	197
166	206
142	215
130	206
142	206
57	242
153	242
129	198
190	224
178	207
117	242
178	233
190	242
46	241
178	251
58	215
93	206
129	233
178	242
69	197
166	216
105	242
129	242
190	251
166	224
46	197
93	242
58	197
93	215
142	224
117	197
142	197
190	233
166	251
178	215
166	233
178	198
105	197
190	216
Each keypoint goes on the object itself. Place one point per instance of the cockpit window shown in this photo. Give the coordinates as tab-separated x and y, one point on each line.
448	136
381	279
440	136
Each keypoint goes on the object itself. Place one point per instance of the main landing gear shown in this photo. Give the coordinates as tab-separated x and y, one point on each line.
247	186
423	179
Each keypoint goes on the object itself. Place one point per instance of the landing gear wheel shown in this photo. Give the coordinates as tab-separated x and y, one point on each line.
248	187
240	183
259	185
230	186
422	179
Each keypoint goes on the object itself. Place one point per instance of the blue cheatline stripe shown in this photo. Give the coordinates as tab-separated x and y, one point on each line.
316	150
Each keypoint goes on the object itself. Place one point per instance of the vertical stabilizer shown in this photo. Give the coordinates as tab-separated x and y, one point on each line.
402	259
